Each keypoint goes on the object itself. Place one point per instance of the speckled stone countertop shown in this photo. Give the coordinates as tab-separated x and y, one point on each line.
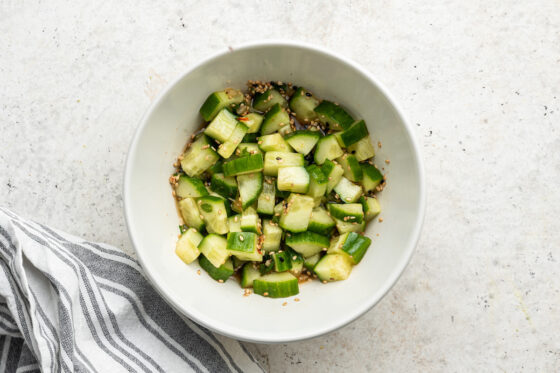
480	80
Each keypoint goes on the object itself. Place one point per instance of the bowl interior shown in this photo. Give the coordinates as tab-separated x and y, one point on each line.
152	217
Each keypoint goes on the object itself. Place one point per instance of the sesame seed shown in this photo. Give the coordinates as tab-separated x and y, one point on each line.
221	281
265	294
241	238
198	272
294	257
387	161
296	299
202	217
381	220
324	281
284	304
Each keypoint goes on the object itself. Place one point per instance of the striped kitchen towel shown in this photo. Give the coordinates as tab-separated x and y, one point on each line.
76	306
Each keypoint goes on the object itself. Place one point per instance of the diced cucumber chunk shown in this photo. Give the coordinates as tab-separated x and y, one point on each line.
222	126
293	179
264	101
333	115
214	248
250	221
357	131
317	181
234	223
333	172
244	165
282	261
363	149
372	177
275	160
243	245
348	191
250	137
190	213
352	244
296	261
276	285
345	227
224	186
275	119
274	143
253	121
187	246
249	273
267	198
223	272
214	214
333	267
219	100
303	104
307	243
352	168
320	221
272	236
250	186
199	157
310	262
227	148
295	218
371	207
190	187
245	149
327	148
303	141
348	212
216	168
237	263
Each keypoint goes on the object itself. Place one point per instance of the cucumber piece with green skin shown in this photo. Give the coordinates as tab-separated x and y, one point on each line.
276	285
224	186
214	248
274	143
348	191
244	165
223	272
218	101
345	227
352	168
267	198
187	245
333	267
267	265
216	168
293	179
275	119
227	148
249	273
234	223
266	100
279	207
295	218
333	115
310	262
243	245
348	212
250	186
199	157
333	172
190	187
237	263
222	126
253	121
317	181
214	213
250	137
363	149
190	213
303	141
357	131
371	207
372	177
245	149
320	221
327	148
282	261
303	104
272	236
297	263
250	221
285	130
307	243
352	244
276	160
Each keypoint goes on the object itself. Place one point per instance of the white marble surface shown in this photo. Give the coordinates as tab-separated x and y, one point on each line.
480	80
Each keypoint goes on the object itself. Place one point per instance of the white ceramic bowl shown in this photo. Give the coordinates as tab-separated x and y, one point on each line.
152	219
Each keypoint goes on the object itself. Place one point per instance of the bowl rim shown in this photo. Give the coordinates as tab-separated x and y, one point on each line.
397	271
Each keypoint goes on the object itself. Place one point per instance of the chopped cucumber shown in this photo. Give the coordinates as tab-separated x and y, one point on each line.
234	223
187	246
274	143
249	273
307	243
243	245
352	168
250	137
327	148
272	236
227	148
219	100
348	191
293	179
303	104
348	212
345	227
264	101
214	248
222	126
276	285
282	261
250	186
221	273
190	187
333	267
320	221
199	157
275	160
353	134
190	213
216	168
303	141
296	261
224	186
275	119
244	165
213	212
295	218
371	207
267	198
310	262
250	221
317	181
245	149
352	244
333	115
363	149
253	121
372	177
333	172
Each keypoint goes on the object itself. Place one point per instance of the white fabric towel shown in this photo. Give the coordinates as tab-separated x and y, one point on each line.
68	305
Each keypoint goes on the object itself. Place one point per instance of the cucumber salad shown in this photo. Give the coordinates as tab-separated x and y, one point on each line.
276	189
